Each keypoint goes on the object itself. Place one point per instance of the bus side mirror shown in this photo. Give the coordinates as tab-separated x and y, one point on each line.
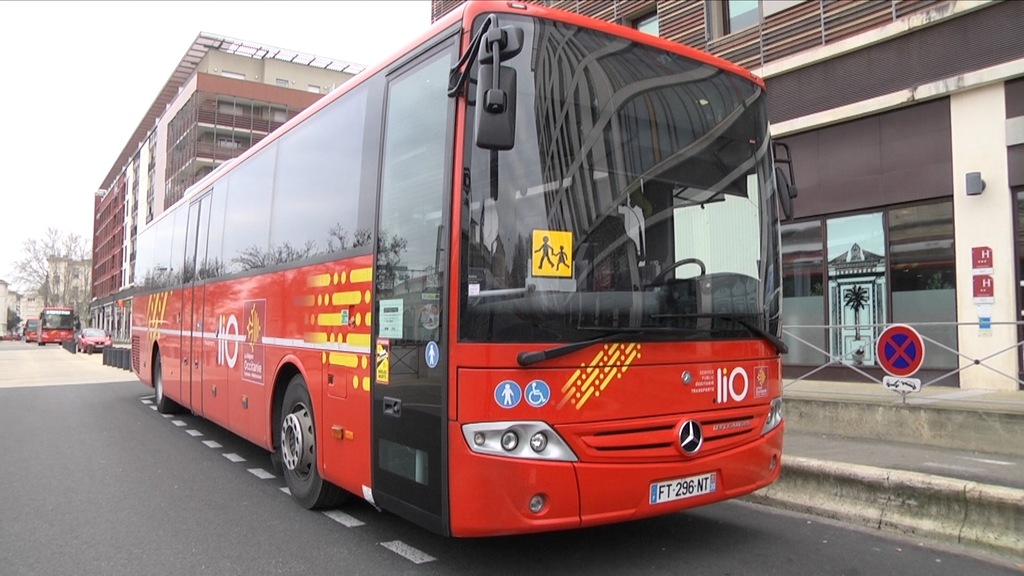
785	182
785	192
496	108
496	89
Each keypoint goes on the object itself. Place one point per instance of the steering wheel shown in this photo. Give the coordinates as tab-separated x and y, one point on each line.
677	264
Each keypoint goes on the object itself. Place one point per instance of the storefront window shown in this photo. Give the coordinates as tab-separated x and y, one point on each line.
840	308
803	310
923	275
856	286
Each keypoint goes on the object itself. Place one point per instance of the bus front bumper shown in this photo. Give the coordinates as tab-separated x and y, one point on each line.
491	496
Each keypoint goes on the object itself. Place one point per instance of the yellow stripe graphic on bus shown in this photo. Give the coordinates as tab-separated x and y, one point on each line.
590	379
346	298
318	281
156	307
361	275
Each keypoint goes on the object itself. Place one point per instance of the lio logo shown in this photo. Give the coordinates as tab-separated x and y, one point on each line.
734	385
227	352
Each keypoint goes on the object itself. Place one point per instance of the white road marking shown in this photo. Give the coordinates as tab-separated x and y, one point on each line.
165	415
949	466
261	473
152	408
212	444
987	461
233	457
342	518
193	433
179	423
147	401
285	490
408	552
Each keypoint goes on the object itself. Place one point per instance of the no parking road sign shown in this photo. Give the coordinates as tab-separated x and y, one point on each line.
900	350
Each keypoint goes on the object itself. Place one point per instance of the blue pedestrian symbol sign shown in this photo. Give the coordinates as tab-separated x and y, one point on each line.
508	394
432	354
537	393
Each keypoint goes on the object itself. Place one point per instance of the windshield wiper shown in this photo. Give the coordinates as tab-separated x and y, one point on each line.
780	346
527	358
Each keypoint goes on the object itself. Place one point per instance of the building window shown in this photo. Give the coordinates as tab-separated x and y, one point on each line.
922	271
647	24
728	16
235	75
856	285
313	88
740	14
803	291
278	114
230	109
282	82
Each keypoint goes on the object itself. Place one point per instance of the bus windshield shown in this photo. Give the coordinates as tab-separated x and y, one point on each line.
638	198
57	320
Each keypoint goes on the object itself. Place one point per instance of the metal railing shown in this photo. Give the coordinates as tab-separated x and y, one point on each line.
848	359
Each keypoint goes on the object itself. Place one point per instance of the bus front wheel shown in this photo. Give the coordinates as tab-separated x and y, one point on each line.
297	446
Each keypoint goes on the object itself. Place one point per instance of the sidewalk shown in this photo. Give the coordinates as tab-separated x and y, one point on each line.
947	464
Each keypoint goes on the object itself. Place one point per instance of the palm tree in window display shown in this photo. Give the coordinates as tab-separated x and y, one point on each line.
856	298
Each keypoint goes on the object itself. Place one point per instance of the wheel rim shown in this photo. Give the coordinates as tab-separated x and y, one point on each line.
297	447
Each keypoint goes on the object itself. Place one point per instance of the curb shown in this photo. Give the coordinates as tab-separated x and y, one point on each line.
942	427
980	516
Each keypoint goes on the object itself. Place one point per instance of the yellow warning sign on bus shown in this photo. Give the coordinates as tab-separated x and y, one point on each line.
383	360
552	253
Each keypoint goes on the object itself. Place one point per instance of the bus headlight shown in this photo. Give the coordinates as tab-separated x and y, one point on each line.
539	442
774	416
509	440
502	439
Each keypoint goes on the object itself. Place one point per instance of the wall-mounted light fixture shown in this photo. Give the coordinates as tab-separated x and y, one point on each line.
975	185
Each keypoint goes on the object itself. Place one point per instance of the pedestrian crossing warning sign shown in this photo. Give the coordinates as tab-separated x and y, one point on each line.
552	253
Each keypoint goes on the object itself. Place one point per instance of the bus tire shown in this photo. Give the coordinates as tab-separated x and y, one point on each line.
164	405
297	446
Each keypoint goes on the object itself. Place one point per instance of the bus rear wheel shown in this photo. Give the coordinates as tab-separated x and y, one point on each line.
297	448
164	405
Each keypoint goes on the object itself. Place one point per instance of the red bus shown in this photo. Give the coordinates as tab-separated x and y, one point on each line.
56	325
31	330
523	276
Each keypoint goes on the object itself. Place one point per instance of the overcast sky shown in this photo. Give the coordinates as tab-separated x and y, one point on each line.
78	77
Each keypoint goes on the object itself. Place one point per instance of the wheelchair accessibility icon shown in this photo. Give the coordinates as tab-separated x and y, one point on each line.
537	393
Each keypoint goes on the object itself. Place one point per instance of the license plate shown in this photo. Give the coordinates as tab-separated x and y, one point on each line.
681	488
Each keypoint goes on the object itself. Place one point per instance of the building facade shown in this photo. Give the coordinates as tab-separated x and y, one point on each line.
905	119
31	305
7	302
224	96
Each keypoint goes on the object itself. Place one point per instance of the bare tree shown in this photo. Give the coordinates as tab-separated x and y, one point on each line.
58	267
254	257
338	238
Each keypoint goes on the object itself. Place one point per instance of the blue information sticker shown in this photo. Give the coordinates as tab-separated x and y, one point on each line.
508	394
537	393
432	354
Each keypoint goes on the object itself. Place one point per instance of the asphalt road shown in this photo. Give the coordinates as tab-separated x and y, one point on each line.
94	481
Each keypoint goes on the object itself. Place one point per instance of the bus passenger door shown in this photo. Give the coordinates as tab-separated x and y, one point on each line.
410	378
193	293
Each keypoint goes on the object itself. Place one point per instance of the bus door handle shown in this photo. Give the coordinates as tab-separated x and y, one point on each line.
392	407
